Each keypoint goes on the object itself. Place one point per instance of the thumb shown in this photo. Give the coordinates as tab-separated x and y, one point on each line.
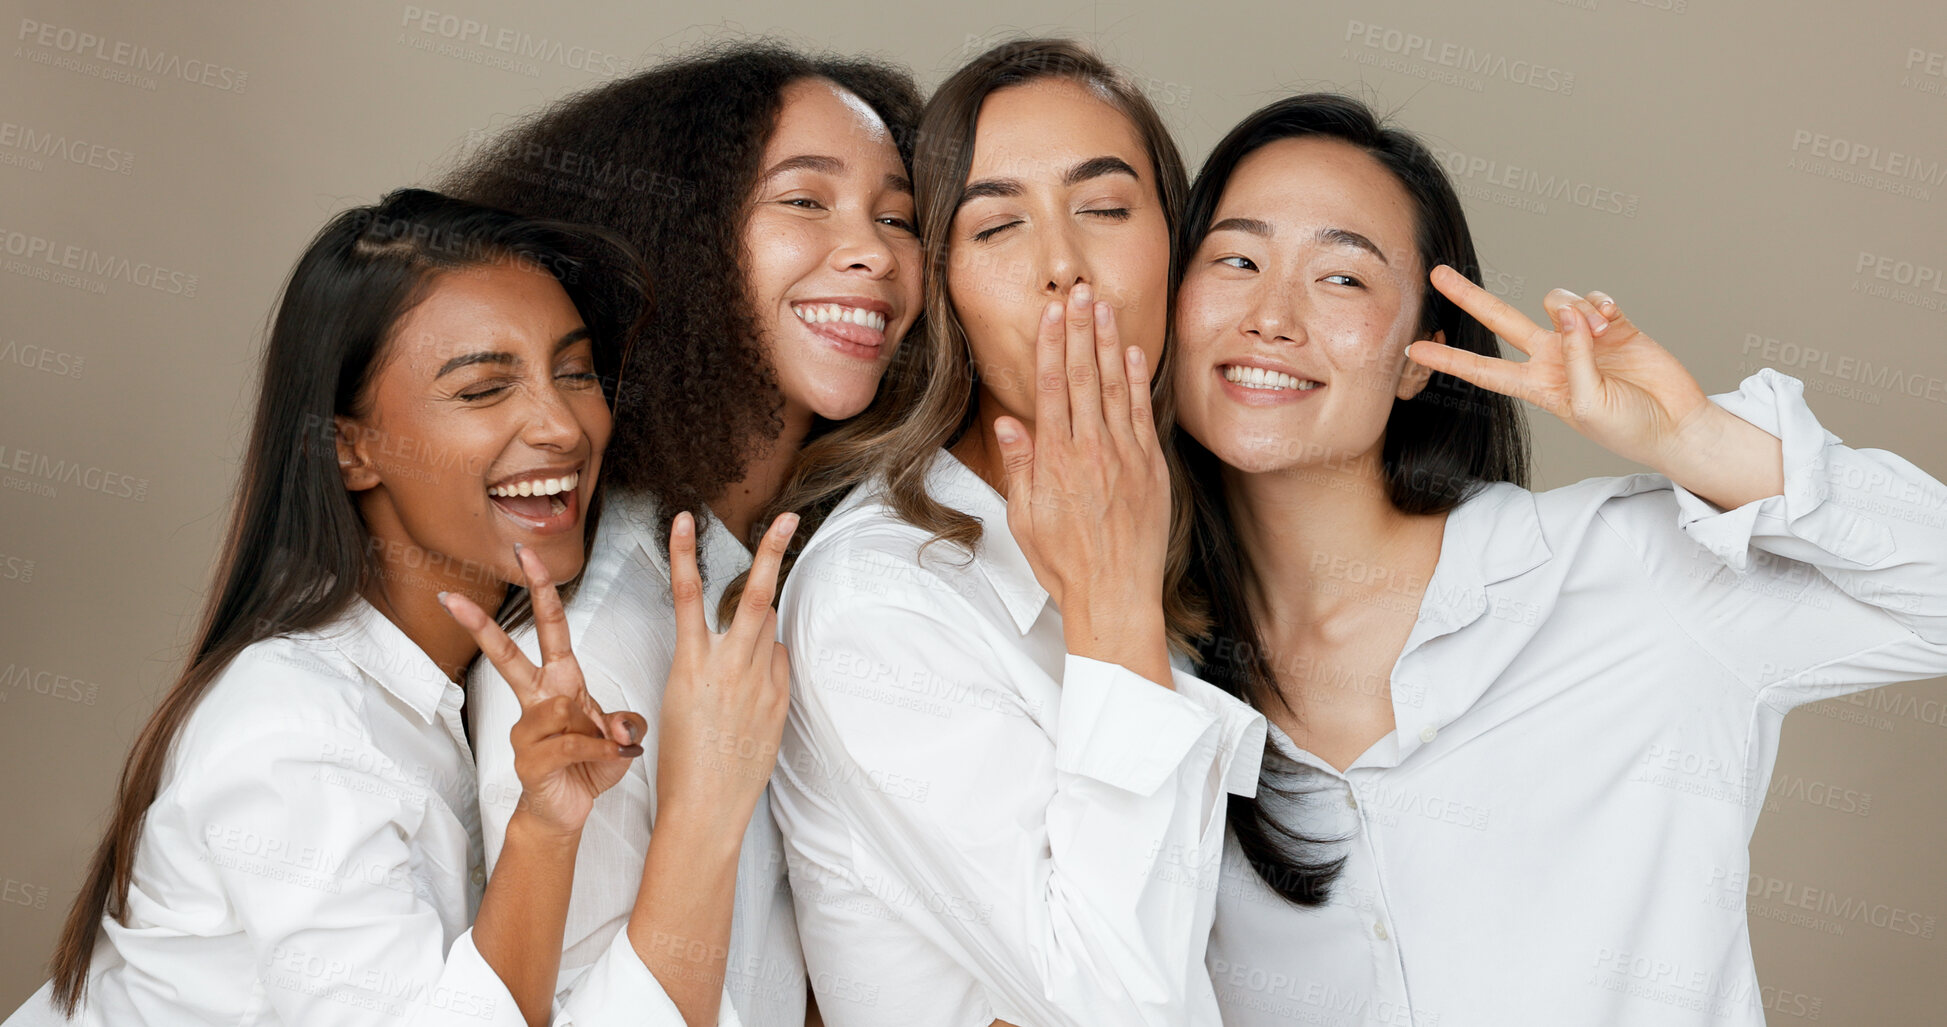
1017	455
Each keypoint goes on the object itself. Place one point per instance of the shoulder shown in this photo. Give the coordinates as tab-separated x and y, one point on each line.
865	553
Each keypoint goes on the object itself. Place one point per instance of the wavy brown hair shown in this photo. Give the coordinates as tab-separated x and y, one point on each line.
927	400
668	158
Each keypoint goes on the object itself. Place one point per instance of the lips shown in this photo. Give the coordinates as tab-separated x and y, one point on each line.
542	502
854	325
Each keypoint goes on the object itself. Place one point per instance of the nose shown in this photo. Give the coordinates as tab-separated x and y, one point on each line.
863	248
1063	265
551	421
1273	315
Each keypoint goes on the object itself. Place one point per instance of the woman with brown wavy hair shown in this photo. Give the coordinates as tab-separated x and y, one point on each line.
996	793
770	195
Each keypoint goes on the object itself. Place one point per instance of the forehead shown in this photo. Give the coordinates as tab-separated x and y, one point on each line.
489	306
1046	126
1300	185
820	116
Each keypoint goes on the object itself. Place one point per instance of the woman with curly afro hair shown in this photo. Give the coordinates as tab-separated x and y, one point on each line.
769	193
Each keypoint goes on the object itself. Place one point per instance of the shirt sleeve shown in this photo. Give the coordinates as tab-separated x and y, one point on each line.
603	980
1836	584
314	856
1066	858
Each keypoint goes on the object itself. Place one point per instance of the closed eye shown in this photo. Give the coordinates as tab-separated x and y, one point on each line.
1112	213
989	233
803	203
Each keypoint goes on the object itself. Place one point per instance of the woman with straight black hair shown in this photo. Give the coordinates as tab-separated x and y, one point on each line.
294	840
1519	740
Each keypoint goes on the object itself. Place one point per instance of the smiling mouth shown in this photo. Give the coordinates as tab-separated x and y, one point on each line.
542	504
1266	380
854	330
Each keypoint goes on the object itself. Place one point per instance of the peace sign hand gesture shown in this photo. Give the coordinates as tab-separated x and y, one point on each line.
1614	385
566	749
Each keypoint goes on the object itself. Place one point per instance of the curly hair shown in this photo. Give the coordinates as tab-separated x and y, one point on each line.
668	158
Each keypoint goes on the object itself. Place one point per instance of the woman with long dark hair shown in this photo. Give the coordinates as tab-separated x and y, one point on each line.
770	193
294	839
991	773
1519	740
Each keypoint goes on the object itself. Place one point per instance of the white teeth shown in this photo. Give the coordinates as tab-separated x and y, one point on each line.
1260	378
541	487
555	505
822	313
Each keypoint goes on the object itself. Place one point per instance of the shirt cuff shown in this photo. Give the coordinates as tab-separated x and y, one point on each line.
619	989
1775	402
1122	729
1240	731
488	1000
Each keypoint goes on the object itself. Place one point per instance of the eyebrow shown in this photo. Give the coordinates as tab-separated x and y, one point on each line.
825	165
1326	236
1094	167
503	357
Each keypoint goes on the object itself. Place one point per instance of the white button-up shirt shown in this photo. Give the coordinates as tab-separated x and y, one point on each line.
977	823
1588	711
622	622
312	854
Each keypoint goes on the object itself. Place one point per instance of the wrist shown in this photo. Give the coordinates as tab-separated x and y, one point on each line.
699	828
538	834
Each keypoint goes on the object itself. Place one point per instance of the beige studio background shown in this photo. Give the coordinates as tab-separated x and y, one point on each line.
1758	184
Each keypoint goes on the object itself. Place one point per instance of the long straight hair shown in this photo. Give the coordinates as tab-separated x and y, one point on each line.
1440	446
928	397
297	551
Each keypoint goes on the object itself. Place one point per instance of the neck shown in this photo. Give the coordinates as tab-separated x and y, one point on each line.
978	449
407	587
1321	539
764	476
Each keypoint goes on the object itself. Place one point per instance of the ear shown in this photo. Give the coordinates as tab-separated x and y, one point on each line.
354	457
1416	375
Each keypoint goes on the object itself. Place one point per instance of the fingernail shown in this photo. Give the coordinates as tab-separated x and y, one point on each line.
787	524
1005	431
442	599
628	732
1083	294
1052	313
1598	325
1134	356
630	751
517	547
1101	311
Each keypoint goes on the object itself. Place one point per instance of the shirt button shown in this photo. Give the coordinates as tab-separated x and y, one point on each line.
1351	799
1379	931
1429	733
479	875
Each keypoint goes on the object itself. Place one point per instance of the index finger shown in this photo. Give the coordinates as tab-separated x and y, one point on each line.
1503	320
1050	369
499	650
761	587
686	583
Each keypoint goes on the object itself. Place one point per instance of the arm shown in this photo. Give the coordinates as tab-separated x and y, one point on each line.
1835	582
1057	856
312	848
1851	544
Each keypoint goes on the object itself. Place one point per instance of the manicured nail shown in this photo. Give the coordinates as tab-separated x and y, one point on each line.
1083	294
442	599
787	523
1052	313
1005	431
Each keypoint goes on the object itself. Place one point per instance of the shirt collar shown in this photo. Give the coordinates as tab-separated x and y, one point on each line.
383	653
1493	536
998	555
723	556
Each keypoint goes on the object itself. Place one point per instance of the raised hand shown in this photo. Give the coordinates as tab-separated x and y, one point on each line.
1088	495
724	705
567	750
1613	384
